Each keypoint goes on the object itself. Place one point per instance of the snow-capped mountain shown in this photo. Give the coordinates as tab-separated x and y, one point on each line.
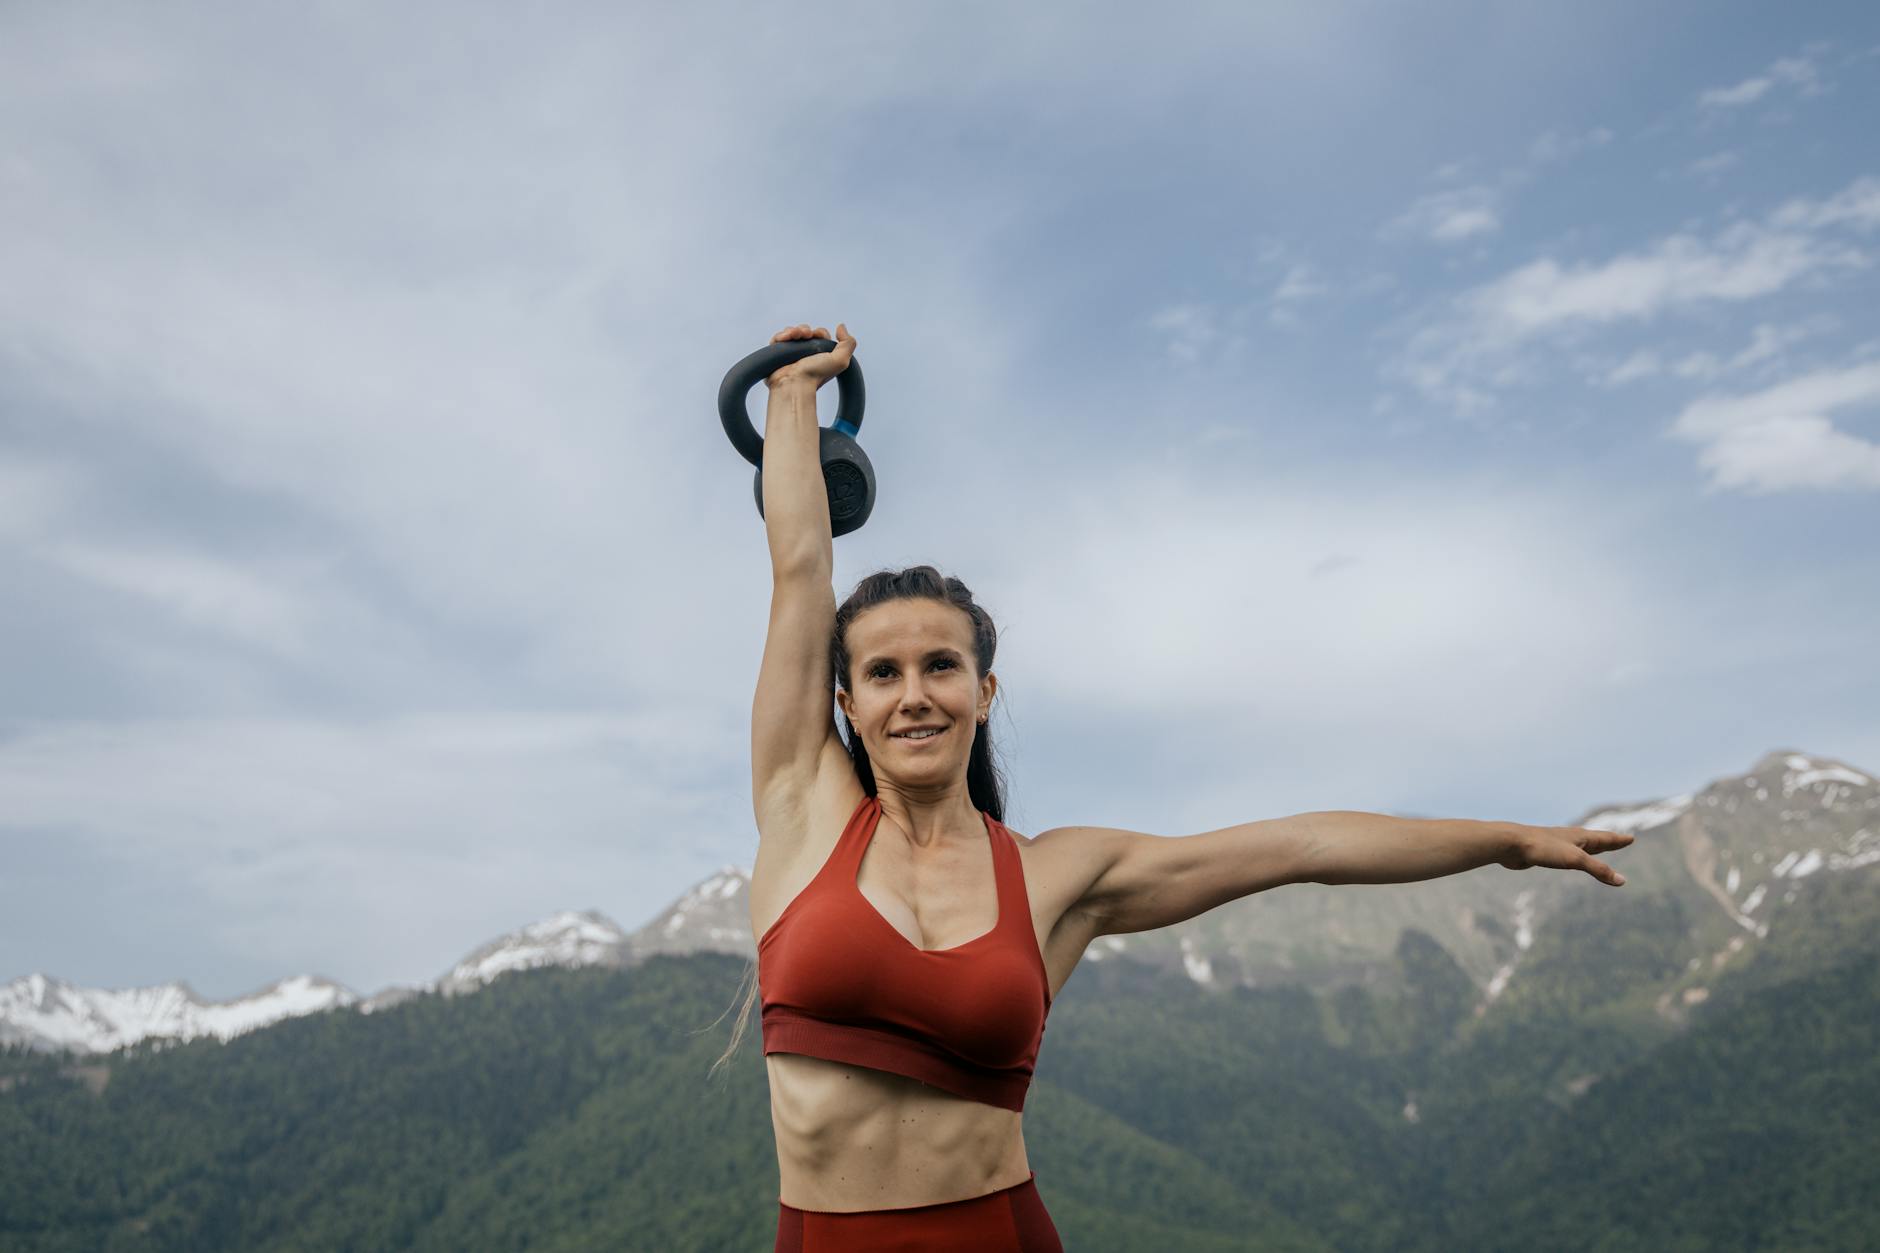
713	917
585	938
1791	816
1737	849
47	1014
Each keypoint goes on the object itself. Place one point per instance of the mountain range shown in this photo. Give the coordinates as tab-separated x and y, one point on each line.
1728	856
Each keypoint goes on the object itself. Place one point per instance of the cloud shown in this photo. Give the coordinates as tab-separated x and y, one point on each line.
1798	72
1476	343
34	493
1766	347
1740	263
1553	147
1697	365
1642	364
1448	217
1780	438
1191	331
366	839
1768	340
1713	165
1458	214
1414	568
1298	284
1857	205
259	610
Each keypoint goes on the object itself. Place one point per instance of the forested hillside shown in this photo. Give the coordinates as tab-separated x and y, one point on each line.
570	1110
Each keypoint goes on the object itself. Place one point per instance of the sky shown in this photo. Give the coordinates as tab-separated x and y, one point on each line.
1458	410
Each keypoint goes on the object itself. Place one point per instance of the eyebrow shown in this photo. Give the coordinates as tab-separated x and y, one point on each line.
954	653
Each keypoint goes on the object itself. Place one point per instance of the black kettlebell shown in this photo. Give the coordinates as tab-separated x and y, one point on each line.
847	476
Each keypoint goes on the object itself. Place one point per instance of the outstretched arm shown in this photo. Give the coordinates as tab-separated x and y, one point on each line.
1142	882
1354	847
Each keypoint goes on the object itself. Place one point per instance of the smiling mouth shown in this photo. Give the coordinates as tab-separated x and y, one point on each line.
925	739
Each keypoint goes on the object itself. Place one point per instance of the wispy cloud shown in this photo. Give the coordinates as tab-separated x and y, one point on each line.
1857	205
1554	147
1476	345
1299	285
1801	73
302	836
1448	217
1781	438
1190	331
1713	165
1741	262
1457	214
1767	349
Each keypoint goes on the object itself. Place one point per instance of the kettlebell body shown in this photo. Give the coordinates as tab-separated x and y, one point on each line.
848	478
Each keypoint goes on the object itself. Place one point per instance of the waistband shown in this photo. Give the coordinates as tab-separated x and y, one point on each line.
1029	1181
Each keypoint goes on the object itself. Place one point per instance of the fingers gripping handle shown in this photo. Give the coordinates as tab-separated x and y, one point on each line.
851	398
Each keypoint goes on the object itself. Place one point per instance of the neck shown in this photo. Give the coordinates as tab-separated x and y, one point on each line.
931	817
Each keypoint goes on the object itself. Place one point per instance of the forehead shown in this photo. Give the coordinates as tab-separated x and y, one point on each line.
910	625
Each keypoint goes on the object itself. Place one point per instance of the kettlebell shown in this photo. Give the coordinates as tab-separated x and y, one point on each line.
847	476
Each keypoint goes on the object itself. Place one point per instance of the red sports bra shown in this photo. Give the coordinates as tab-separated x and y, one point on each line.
840	983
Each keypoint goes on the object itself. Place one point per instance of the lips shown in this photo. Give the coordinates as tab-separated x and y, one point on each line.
925	739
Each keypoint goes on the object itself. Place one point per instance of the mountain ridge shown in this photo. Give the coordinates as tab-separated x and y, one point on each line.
1727	851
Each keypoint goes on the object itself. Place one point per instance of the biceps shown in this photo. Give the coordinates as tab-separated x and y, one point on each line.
1155	881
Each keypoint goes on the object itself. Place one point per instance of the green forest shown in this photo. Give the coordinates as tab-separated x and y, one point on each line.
570	1110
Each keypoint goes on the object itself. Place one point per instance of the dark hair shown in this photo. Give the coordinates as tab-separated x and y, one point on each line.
985	782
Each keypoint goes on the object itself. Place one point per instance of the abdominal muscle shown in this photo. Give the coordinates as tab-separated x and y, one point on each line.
851	1138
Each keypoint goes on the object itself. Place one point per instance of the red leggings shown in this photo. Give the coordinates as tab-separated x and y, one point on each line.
1011	1220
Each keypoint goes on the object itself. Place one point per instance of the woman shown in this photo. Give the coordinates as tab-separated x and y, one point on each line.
909	943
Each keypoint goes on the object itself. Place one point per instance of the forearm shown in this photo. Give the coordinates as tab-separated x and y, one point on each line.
1348	846
796	504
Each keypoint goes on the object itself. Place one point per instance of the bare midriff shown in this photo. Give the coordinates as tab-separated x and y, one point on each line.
851	1138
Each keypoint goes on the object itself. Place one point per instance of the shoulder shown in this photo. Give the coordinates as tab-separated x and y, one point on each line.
1059	844
1076	843
1071	861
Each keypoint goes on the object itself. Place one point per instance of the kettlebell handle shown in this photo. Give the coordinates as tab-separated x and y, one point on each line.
851	397
847	475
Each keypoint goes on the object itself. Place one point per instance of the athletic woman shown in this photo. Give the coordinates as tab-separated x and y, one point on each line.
909	943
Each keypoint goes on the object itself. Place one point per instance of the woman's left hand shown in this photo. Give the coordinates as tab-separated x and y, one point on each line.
1566	848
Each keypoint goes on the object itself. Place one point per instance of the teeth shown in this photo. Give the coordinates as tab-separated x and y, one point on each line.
922	735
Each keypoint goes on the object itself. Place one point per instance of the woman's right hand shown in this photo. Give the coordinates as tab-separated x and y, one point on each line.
818	368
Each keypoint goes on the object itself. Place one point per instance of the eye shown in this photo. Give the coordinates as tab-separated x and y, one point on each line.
938	661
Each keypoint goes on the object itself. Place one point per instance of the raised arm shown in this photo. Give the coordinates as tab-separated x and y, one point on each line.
793	715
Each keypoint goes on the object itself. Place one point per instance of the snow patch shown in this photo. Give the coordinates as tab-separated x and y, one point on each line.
1637	818
1798	865
1198	967
1524	919
1805	773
